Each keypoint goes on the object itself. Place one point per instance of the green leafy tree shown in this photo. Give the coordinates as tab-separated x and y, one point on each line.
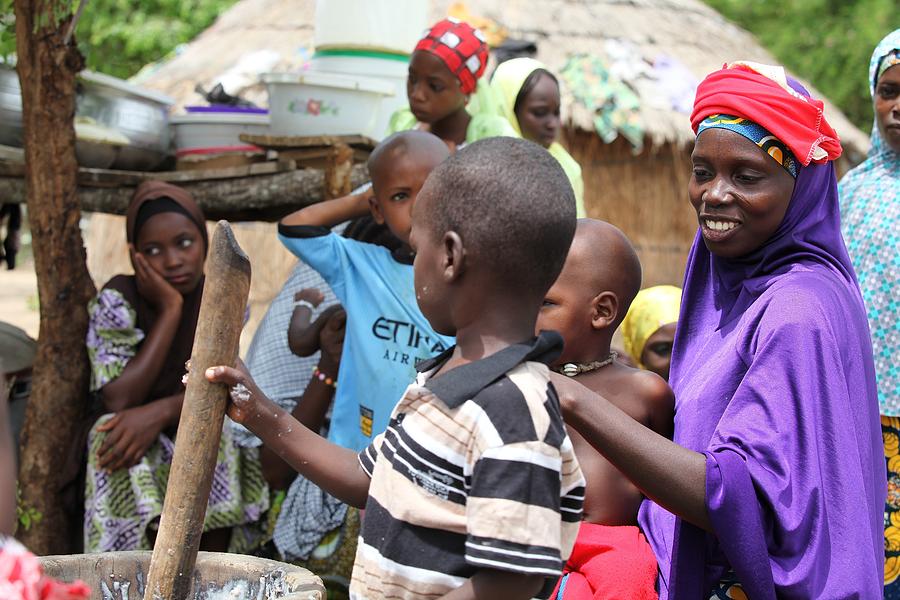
827	42
7	28
118	37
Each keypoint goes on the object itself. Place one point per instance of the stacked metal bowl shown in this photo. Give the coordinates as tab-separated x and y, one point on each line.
118	125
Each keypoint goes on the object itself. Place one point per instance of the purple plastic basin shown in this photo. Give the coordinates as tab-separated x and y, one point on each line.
222	108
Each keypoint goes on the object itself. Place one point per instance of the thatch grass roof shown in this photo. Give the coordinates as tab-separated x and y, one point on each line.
687	30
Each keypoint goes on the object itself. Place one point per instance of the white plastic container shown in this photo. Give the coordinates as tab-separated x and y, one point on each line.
385	25
215	133
392	68
316	103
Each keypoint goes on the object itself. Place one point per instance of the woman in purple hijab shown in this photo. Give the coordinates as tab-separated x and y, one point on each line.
774	485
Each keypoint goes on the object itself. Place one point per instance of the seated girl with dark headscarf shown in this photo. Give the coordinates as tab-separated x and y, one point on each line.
140	335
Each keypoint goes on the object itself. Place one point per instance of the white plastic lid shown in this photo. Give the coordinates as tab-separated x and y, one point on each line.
334	80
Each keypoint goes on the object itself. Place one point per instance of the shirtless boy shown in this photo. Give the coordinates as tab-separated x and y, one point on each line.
601	277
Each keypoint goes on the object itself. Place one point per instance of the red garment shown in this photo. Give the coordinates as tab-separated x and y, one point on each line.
794	118
610	563
22	577
461	47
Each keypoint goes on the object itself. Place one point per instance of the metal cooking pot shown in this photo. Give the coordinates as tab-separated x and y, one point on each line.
10	108
141	115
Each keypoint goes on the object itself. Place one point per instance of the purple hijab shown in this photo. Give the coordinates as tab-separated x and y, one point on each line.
774	382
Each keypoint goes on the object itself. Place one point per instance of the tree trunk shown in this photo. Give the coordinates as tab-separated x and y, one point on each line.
47	66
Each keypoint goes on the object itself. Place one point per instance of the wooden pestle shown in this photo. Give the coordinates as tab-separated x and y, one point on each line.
216	342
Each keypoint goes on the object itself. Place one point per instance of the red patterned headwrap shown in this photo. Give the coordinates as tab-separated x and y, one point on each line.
461	47
765	95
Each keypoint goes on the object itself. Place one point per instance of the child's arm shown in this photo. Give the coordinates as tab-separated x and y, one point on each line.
333	468
331	212
331	343
678	483
310	412
662	406
303	336
313	406
488	584
301	340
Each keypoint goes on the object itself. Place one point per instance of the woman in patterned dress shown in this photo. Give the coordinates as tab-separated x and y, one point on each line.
870	211
140	334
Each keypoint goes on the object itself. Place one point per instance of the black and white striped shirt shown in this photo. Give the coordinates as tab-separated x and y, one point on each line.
475	470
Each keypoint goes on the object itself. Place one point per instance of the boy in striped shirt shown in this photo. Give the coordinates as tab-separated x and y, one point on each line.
474	490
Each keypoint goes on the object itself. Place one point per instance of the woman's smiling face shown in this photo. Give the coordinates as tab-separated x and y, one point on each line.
739	192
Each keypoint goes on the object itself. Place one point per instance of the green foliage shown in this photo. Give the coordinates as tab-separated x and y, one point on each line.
51	11
118	37
26	515
7	27
827	42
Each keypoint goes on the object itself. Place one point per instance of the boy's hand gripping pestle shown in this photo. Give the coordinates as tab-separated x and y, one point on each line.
200	428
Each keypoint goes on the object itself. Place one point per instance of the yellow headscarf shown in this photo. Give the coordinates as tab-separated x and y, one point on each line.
506	82
652	308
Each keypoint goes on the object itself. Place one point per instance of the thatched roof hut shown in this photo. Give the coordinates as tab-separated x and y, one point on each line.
643	193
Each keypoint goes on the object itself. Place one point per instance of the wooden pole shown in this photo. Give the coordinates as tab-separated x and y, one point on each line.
200	428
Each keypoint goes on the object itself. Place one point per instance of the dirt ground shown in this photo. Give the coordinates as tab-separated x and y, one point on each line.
18	297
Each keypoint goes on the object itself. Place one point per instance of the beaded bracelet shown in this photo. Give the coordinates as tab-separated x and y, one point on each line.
324	378
305	303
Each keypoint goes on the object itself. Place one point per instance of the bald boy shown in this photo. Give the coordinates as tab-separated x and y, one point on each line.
601	276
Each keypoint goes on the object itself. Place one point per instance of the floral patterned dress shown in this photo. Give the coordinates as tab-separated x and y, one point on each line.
122	505
870	215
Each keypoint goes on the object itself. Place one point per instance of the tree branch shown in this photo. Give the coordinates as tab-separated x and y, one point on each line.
74	23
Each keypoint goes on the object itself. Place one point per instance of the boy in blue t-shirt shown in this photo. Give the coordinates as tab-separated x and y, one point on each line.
386	333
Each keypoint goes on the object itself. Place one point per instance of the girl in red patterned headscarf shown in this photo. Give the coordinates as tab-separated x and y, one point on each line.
443	73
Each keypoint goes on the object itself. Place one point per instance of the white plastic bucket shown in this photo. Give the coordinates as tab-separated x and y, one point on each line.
389	68
385	25
316	103
216	132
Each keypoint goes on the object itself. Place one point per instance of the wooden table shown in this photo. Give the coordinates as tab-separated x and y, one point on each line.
306	171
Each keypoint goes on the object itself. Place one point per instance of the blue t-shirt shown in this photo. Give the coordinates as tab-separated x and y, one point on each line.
386	332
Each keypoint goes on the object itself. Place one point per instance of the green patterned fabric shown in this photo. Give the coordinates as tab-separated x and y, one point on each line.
480	127
616	107
113	336
122	505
